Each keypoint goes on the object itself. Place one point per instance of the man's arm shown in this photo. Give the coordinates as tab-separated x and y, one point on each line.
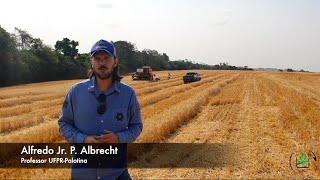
135	123
66	122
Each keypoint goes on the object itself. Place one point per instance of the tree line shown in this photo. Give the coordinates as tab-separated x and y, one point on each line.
25	59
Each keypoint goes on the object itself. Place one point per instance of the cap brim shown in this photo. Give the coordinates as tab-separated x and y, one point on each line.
94	52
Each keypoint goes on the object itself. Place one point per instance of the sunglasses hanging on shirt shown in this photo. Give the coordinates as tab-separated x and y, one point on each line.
102	104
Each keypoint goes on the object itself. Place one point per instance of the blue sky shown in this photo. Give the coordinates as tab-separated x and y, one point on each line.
262	33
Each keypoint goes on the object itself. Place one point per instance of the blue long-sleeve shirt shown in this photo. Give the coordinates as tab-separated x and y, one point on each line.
79	117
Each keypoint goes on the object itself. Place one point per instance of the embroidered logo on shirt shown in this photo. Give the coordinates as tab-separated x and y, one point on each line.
119	116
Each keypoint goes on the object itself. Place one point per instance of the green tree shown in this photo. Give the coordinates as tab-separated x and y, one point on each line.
23	38
32	66
8	53
126	53
36	44
67	47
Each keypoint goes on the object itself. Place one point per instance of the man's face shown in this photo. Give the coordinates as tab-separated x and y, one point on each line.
103	64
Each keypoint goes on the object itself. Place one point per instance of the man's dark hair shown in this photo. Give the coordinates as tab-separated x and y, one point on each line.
115	74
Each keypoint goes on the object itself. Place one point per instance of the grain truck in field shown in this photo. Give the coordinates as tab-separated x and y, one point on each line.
145	73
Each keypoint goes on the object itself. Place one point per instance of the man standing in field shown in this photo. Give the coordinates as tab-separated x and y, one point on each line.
101	110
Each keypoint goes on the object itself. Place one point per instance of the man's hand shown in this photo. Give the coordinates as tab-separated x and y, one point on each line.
91	139
108	137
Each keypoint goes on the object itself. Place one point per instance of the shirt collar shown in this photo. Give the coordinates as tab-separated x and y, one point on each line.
94	88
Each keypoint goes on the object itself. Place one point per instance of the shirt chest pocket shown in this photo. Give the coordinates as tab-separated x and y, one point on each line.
119	117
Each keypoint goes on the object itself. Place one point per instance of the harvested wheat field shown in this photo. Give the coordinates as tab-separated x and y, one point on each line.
264	116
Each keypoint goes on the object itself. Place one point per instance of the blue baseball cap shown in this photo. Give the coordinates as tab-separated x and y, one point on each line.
103	45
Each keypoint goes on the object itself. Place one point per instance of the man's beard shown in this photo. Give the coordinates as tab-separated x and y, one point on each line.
103	75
